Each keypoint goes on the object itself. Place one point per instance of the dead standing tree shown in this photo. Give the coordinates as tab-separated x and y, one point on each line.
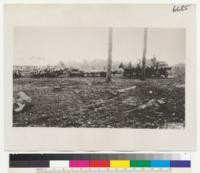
144	55
109	65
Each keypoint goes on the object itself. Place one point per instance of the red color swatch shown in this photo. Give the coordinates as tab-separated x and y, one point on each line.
99	163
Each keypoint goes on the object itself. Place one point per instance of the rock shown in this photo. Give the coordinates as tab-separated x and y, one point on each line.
77	91
89	83
161	101
21	102
150	92
45	115
150	103
99	102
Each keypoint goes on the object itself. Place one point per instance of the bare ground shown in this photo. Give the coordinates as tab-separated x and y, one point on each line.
91	102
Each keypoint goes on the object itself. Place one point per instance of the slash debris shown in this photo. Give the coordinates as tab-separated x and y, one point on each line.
91	102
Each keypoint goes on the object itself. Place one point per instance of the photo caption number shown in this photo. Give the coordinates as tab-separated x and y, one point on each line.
180	8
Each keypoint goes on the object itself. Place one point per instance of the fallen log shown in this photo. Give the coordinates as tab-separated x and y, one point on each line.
128	111
57	88
180	86
126	89
150	103
99	103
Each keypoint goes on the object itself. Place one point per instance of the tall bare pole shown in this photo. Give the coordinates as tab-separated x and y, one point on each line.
109	65
144	55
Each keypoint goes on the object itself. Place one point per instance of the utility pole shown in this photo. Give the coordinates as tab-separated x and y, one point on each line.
109	65
144	55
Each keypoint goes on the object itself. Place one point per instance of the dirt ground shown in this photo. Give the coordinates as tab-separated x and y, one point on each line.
90	102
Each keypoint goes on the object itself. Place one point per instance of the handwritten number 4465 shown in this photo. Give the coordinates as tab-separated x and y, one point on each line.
179	8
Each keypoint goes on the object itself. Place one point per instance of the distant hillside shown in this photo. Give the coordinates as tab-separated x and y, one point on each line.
96	64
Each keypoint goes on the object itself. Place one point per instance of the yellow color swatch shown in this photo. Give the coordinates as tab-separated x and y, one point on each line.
119	163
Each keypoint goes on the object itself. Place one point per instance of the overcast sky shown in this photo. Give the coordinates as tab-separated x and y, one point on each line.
49	45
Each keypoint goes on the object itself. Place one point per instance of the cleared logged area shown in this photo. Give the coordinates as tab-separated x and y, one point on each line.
91	102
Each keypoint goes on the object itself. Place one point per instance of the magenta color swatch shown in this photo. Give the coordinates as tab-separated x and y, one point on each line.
79	163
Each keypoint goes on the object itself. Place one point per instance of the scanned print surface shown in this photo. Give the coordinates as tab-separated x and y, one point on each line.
99	77
21	170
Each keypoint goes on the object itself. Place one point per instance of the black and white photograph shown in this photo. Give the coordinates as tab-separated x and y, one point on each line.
99	77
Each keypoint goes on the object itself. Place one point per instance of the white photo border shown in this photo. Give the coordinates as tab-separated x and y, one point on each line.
89	139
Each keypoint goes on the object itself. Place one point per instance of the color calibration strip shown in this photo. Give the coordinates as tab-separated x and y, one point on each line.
88	161
105	164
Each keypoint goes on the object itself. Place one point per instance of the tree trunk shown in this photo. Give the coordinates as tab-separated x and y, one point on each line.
144	55
109	65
